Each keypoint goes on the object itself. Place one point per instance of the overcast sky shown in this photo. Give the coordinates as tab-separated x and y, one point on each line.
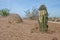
18	6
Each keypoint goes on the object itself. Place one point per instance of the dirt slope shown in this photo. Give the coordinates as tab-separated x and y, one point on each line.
22	31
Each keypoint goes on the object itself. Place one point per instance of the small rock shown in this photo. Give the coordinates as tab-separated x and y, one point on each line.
54	38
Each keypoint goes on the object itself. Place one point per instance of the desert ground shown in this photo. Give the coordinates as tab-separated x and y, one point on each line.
28	30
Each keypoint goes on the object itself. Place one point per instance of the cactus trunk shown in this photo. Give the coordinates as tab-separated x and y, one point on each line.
43	19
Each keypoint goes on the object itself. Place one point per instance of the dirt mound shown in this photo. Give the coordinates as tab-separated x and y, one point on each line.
12	18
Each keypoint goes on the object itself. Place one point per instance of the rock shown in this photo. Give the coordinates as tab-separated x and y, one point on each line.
54	38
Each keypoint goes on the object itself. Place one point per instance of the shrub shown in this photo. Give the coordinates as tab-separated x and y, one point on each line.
33	14
4	12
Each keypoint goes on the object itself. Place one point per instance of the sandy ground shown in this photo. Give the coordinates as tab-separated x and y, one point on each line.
22	31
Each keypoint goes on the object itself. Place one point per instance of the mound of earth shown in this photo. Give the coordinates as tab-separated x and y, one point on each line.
12	18
27	30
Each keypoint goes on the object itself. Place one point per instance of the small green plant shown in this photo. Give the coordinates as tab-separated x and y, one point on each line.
43	18
4	12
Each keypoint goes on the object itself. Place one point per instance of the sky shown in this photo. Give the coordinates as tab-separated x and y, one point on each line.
19	6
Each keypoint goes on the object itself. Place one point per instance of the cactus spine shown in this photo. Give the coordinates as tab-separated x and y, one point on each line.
43	18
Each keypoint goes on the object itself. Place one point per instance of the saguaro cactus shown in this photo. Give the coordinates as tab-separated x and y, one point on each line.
43	18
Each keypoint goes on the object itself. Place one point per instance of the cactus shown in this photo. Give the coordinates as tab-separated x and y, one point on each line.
43	18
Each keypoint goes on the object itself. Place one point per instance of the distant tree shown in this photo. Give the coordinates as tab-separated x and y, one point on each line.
32	14
4	12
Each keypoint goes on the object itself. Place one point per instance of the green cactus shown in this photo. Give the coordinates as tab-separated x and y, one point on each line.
43	18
